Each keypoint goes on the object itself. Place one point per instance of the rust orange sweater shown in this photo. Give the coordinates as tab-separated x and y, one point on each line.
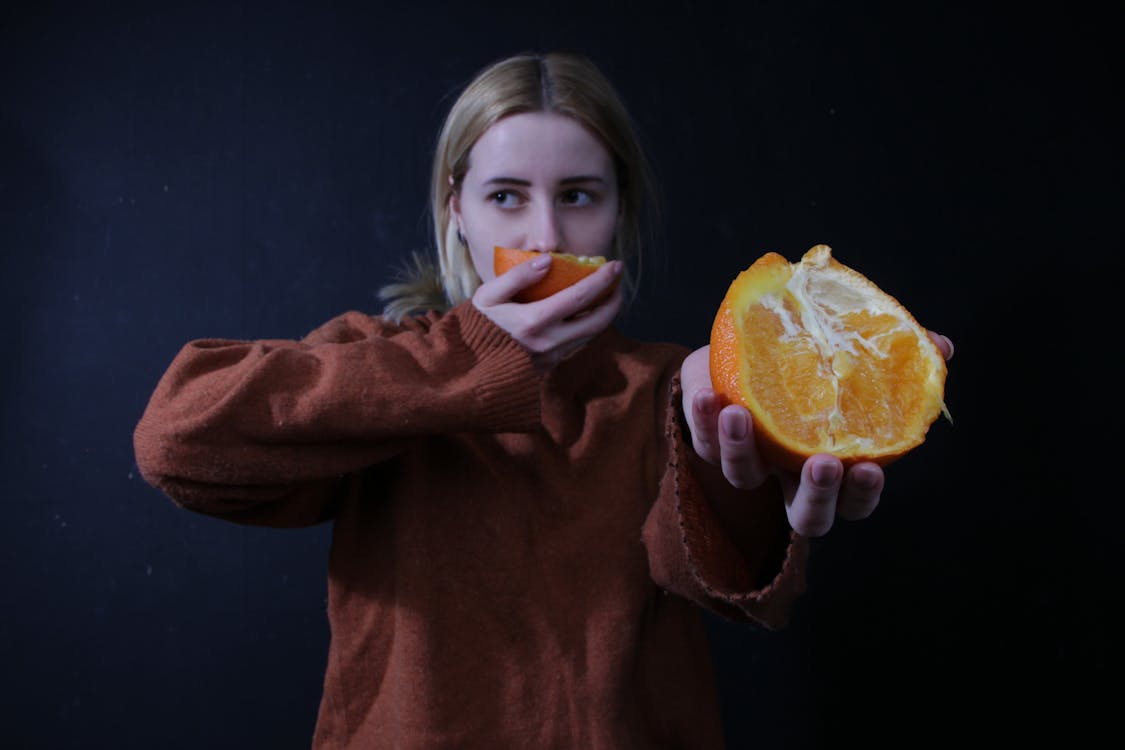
517	562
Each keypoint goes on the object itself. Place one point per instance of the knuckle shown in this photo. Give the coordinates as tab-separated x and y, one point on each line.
702	435
532	321
521	333
741	474
539	345
820	502
809	520
531	326
811	513
736	451
578	295
703	448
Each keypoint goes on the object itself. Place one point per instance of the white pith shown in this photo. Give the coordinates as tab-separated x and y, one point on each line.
822	295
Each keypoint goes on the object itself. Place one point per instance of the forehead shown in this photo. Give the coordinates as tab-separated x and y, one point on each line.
539	143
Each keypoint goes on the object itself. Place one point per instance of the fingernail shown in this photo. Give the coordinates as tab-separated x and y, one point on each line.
706	401
541	262
616	267
734	425
950	342
825	473
865	479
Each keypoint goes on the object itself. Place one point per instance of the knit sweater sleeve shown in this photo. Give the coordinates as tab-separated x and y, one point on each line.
267	432
748	566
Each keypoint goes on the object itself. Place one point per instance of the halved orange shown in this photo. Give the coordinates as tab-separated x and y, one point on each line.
825	361
566	269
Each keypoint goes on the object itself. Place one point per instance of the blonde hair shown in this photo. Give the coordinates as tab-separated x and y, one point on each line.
560	83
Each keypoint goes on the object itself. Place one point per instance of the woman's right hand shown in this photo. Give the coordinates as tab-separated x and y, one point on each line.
553	328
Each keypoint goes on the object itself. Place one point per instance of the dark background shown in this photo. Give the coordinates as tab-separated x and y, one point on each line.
176	171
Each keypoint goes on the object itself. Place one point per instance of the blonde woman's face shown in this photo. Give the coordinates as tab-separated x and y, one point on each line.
537	181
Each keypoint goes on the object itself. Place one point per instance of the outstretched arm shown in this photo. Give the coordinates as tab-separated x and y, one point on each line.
236	424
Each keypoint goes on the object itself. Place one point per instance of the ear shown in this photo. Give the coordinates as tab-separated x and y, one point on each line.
454	201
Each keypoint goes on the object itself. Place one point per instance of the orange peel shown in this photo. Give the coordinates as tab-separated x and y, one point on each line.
825	362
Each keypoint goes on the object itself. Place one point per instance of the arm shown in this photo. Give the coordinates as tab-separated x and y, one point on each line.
267	431
725	548
730	540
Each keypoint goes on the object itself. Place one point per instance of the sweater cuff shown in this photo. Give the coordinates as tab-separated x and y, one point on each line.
509	387
760	584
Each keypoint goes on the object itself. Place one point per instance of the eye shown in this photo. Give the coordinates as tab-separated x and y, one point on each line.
505	199
577	197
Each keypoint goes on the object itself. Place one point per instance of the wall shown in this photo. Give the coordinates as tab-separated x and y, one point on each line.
173	172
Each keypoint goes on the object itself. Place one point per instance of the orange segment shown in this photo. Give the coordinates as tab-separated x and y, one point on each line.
566	269
825	361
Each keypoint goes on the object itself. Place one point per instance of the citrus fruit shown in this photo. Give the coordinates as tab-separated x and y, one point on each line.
566	269
825	361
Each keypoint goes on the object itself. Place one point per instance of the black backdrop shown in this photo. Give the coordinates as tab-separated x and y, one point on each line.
174	171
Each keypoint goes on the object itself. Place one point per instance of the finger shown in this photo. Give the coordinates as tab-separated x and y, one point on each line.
585	294
505	286
694	374
561	339
813	505
571	332
859	496
593	292
943	343
703	422
695	370
740	461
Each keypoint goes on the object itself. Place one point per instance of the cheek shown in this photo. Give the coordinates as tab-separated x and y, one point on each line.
480	237
482	261
595	235
481	224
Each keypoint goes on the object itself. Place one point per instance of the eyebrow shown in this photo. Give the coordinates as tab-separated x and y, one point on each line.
583	178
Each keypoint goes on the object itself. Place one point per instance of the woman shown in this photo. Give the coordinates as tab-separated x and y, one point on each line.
529	508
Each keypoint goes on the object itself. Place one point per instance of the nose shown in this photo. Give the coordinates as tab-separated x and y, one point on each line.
545	231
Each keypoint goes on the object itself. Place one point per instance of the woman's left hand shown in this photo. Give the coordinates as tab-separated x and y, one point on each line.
724	438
